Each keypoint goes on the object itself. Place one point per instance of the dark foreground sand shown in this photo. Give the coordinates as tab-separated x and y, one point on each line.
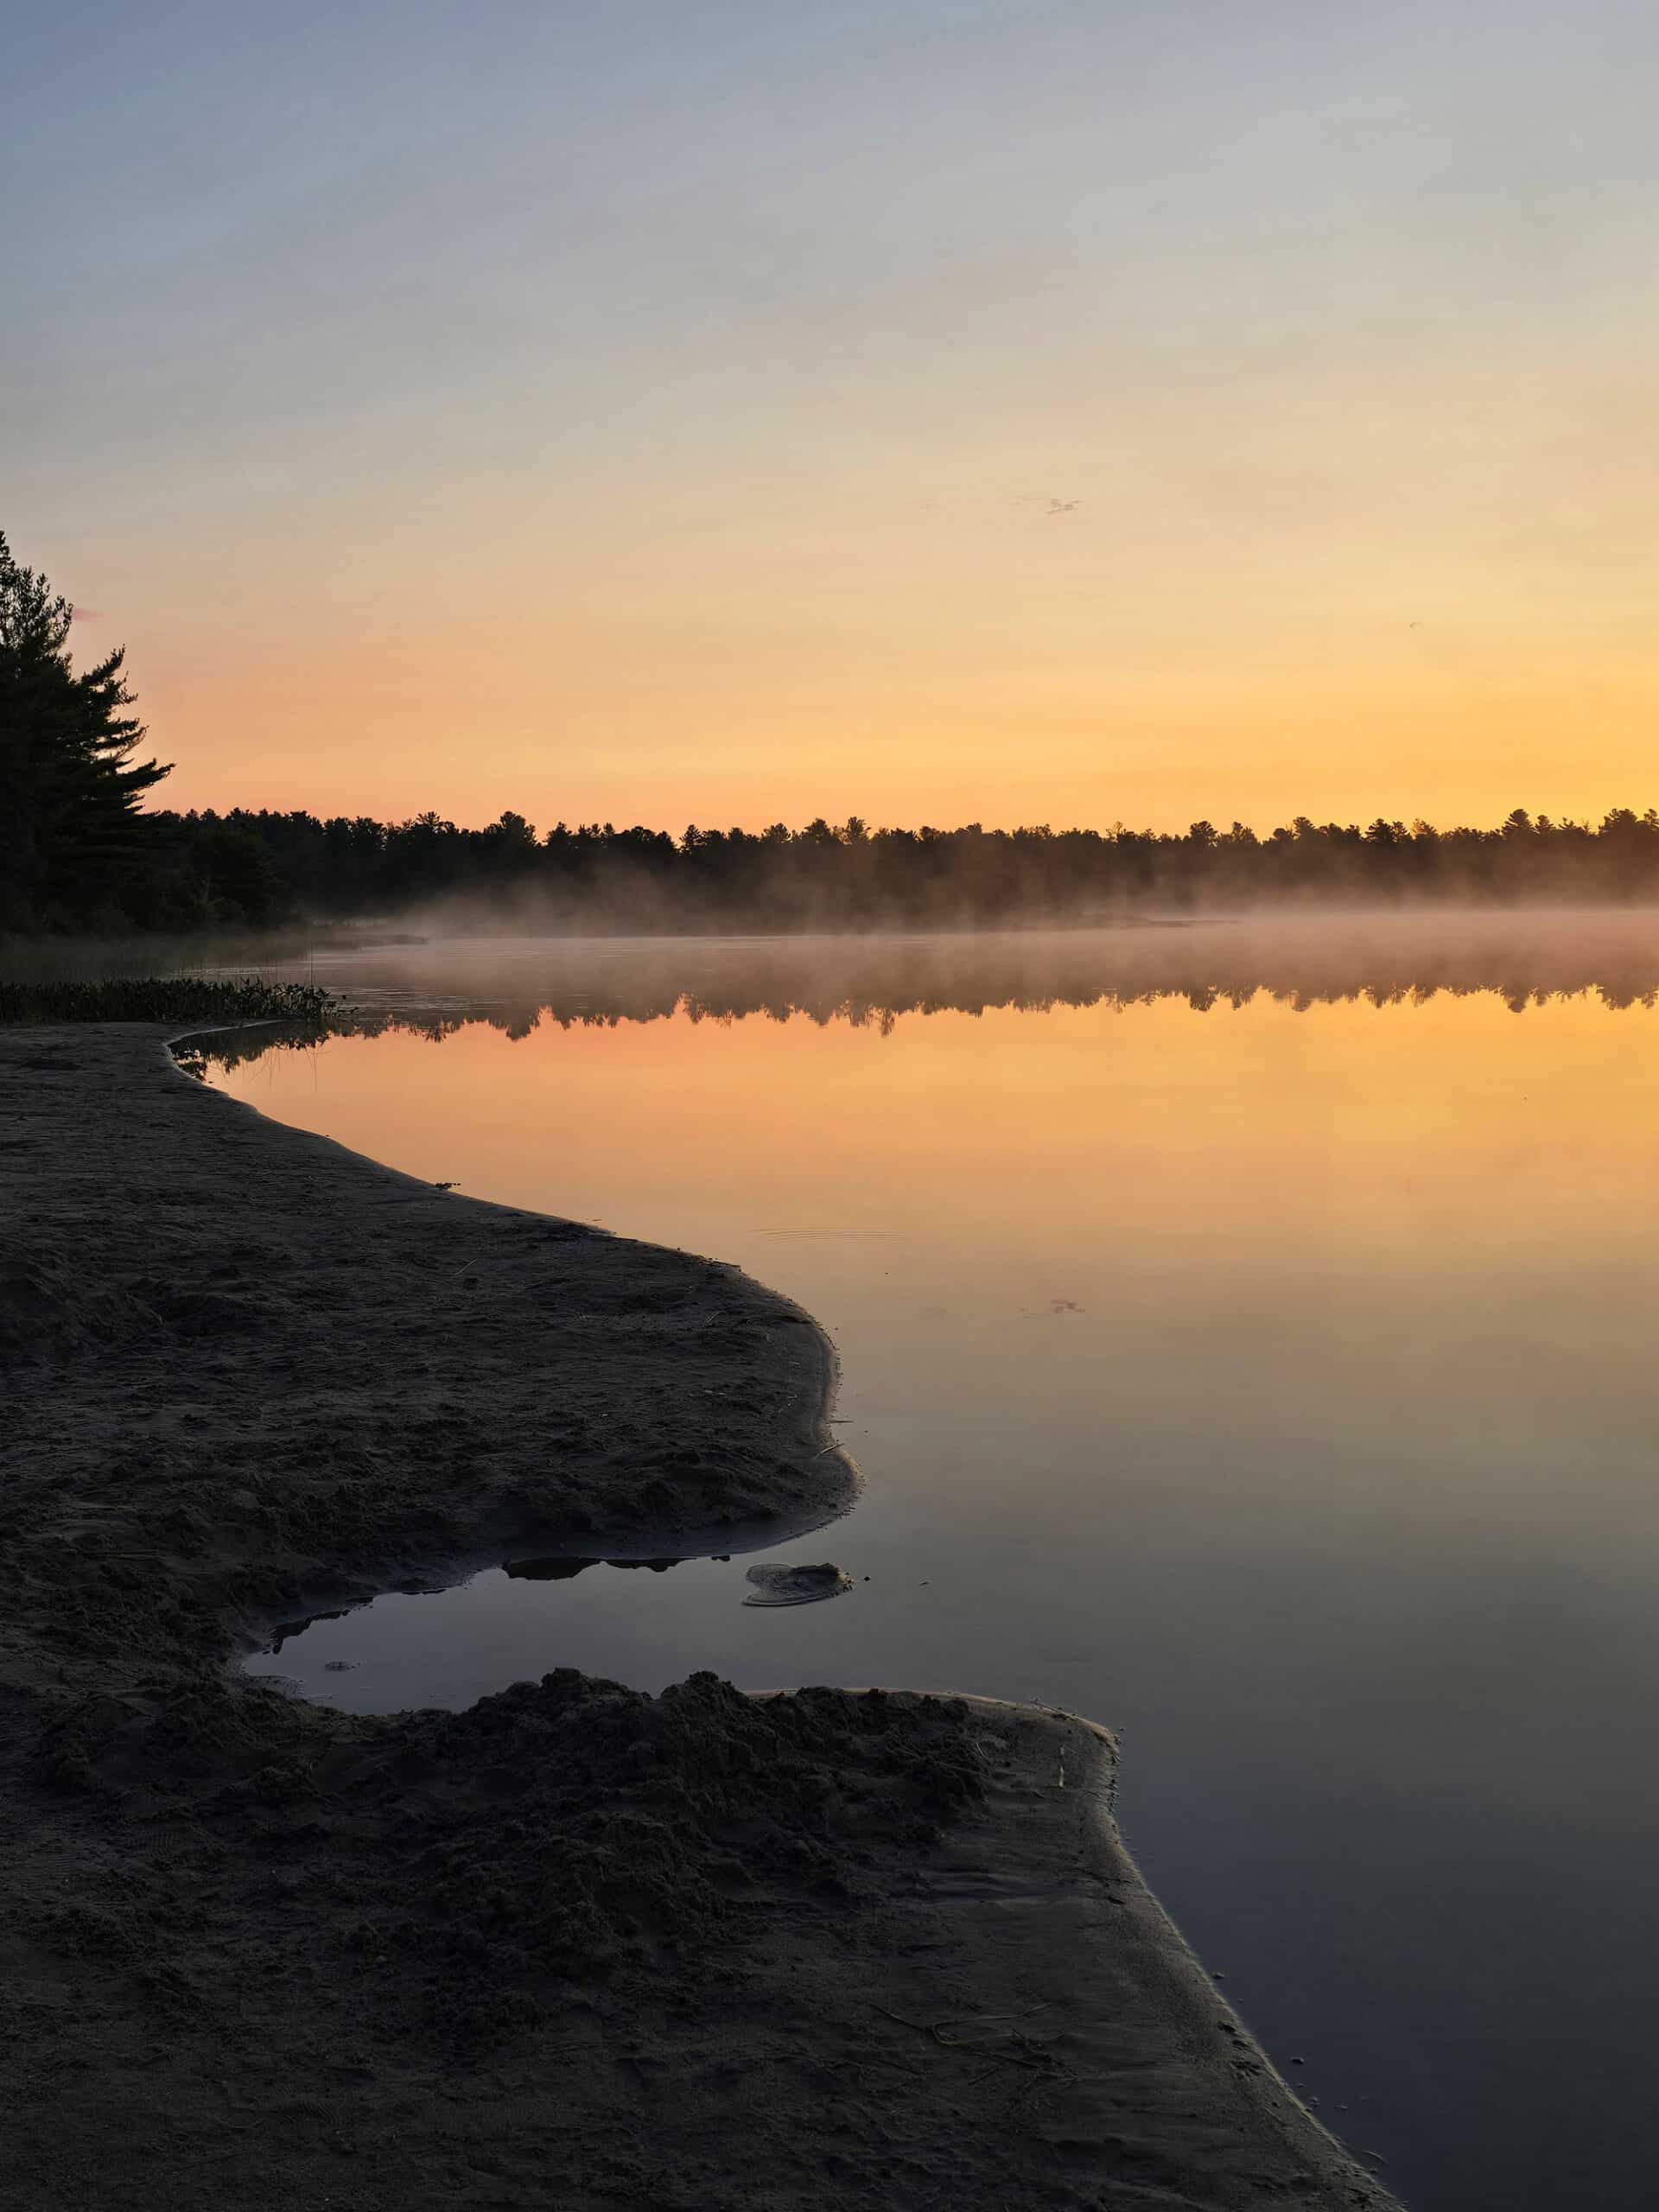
576	1947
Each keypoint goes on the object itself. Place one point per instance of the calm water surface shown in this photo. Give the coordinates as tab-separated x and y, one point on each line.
1270	1376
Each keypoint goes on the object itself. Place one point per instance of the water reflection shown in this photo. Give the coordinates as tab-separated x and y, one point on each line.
1247	1339
1526	958
562	1570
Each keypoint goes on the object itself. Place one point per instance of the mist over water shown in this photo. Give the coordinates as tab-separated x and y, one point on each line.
437	980
1246	1337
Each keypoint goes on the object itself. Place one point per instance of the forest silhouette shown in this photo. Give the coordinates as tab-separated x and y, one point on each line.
261	868
79	852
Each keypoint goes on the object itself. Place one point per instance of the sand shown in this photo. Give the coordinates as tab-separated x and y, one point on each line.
577	1946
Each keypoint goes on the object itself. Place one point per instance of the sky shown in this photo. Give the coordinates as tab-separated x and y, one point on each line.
734	411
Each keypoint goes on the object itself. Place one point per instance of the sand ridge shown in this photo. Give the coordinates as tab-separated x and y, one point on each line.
575	1947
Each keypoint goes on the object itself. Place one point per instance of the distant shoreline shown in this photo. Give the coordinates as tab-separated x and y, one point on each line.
263	865
486	1949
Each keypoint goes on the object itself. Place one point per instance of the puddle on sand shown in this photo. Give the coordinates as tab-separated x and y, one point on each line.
629	1618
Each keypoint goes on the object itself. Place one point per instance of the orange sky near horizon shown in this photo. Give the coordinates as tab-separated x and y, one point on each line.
930	410
1002	668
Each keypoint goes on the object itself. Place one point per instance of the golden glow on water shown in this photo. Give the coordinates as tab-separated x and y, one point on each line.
1338	1138
1427	1223
1276	1385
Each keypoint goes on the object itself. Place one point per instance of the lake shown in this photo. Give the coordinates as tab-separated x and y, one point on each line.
1247	1339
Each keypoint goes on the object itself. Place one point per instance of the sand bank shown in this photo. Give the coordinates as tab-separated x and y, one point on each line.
574	1947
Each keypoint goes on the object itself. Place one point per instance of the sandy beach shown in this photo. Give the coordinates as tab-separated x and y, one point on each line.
574	1947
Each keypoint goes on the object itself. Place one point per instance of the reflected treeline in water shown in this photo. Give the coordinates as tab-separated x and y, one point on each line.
518	986
558	1568
564	1568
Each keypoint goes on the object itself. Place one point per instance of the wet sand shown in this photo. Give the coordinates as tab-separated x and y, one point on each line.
576	1945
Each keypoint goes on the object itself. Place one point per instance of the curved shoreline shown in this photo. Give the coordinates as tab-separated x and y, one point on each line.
1202	2020
831	1492
394	1379
703	1950
827	1477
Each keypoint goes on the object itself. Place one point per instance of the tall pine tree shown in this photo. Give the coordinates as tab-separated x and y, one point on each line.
70	827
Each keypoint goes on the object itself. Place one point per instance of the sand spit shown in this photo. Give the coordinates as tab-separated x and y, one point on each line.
576	1947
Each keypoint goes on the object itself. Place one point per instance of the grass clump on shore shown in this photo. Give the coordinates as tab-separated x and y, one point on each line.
166	998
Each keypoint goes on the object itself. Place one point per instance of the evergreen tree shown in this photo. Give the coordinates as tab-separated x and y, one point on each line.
69	788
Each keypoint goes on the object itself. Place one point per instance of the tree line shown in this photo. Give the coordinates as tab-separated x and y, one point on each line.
263	865
78	849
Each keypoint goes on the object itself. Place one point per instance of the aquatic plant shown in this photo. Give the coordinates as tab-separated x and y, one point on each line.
167	998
